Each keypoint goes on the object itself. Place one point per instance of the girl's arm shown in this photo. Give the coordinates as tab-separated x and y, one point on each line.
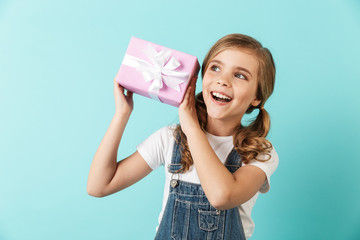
106	175
223	189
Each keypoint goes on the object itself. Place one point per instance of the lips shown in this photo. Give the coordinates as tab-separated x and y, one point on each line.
220	97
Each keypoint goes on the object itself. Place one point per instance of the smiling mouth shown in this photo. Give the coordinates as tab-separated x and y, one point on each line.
220	97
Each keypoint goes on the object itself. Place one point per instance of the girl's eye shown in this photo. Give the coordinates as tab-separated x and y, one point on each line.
238	75
215	68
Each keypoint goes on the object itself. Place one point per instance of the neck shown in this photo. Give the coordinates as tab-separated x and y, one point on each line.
221	127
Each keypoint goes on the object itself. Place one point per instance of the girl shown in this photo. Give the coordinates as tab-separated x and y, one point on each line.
215	167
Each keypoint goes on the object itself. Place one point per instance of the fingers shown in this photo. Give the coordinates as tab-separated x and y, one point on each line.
129	94
118	87
121	94
190	93
193	84
116	84
194	80
187	95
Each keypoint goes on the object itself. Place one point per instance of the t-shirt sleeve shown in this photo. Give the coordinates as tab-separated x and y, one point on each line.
155	147
268	167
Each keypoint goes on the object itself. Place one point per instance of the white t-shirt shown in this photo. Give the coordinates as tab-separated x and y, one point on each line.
157	150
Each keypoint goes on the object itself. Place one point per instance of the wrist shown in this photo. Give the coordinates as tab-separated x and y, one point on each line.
193	132
194	138
122	115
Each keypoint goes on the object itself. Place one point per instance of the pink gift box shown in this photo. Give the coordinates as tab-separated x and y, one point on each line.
156	72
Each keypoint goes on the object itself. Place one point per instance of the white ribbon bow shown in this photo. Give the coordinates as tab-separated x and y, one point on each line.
160	70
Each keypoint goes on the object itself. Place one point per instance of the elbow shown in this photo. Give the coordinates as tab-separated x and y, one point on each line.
94	192
221	200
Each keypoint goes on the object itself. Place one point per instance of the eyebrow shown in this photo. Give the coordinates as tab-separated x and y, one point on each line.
237	67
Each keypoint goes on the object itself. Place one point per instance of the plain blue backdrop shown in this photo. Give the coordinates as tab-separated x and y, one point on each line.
57	64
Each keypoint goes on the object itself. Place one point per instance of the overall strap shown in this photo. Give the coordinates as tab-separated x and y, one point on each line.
233	161
175	165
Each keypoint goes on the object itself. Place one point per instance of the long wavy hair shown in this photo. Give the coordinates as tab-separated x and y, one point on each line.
249	141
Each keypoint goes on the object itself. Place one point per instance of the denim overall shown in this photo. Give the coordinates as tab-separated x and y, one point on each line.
188	213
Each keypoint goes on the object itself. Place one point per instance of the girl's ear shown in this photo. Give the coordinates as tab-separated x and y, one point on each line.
255	102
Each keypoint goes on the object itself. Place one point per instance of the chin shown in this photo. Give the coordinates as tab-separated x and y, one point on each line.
228	115
218	115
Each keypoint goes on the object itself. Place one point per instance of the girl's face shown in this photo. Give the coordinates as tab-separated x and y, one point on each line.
229	85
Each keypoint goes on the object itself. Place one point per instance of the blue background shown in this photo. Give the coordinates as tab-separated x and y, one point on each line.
57	64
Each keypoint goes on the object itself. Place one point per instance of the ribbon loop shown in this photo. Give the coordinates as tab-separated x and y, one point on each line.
161	69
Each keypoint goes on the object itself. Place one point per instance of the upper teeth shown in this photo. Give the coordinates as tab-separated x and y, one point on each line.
219	95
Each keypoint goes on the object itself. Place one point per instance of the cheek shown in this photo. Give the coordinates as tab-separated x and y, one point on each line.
207	77
206	96
244	94
205	84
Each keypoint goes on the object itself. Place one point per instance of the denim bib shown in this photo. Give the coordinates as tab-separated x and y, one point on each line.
188	213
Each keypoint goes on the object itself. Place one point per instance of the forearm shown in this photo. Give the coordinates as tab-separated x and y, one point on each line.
215	179
104	164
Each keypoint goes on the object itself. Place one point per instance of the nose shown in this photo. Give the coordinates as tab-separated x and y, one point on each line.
223	81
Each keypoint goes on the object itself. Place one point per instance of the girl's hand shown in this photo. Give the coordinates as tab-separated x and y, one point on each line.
187	111
124	104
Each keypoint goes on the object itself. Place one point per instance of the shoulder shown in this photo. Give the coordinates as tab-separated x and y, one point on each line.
167	133
268	166
163	134
157	147
268	159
